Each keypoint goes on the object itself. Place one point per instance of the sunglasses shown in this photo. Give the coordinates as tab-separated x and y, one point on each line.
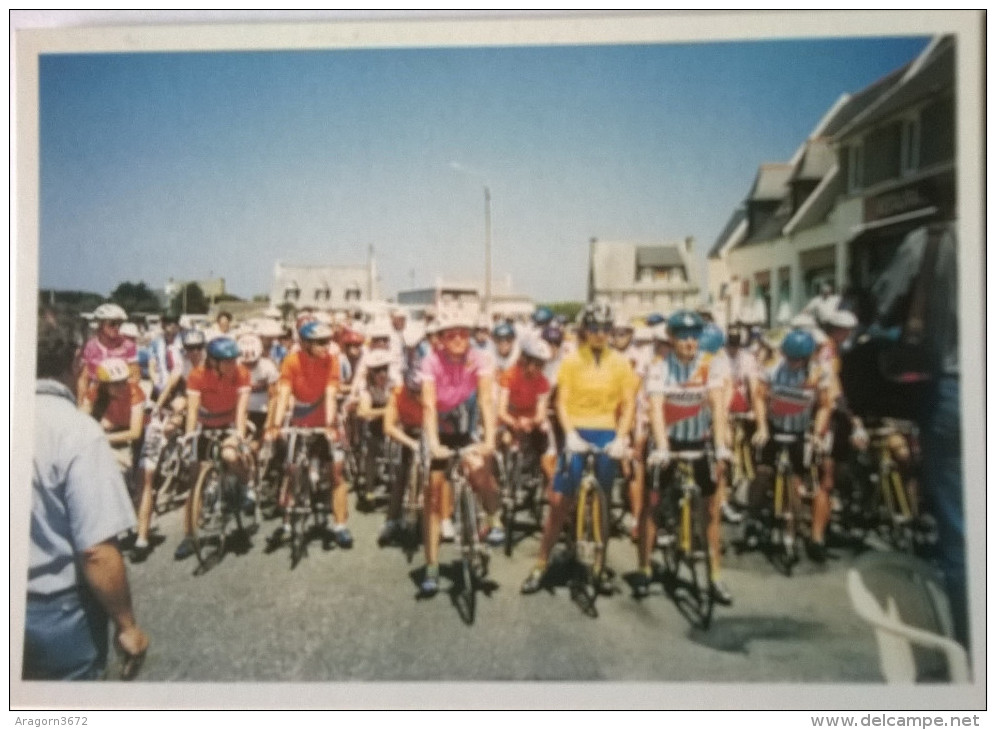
112	323
322	343
603	329
686	334
455	333
190	348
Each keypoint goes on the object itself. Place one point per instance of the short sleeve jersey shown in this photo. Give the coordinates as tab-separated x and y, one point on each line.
594	390
219	395
409	407
792	394
523	391
685	387
94	353
309	377
263	375
455	382
743	369
118	413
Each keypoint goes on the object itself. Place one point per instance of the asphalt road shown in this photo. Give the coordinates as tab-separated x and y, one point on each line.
354	615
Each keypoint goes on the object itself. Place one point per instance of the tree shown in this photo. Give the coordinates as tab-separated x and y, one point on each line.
190	300
568	309
135	297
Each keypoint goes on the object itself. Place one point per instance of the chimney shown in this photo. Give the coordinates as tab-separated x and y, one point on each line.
689	243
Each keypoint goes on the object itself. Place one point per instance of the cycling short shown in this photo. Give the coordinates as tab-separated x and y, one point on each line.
319	449
796	452
258	420
568	477
701	468
453	441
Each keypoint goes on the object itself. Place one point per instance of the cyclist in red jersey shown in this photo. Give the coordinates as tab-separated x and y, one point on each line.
311	377
523	402
218	398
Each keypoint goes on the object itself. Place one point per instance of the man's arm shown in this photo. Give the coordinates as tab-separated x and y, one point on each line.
104	572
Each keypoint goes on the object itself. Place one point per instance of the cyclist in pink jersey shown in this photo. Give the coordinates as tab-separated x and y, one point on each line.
108	342
457	385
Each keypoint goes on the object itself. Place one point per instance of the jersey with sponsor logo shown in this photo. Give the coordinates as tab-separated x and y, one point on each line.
792	395
685	387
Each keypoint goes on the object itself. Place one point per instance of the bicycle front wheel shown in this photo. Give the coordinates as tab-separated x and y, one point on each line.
699	559
209	518
590	541
468	548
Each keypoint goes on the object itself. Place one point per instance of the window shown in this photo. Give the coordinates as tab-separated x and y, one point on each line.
292	292
883	154
323	292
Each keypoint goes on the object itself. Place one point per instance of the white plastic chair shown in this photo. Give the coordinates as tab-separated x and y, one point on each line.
903	598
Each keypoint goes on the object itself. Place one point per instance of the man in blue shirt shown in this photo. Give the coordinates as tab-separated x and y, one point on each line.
76	575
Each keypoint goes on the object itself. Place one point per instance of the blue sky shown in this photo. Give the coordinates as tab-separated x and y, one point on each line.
219	164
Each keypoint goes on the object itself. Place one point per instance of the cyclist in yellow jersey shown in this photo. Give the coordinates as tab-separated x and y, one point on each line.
595	404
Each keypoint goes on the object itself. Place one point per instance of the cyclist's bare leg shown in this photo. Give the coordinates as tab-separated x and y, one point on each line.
340	493
559	506
432	514
481	478
647	533
821	502
714	505
145	507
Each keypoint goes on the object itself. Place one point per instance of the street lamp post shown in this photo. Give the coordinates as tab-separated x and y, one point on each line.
487	250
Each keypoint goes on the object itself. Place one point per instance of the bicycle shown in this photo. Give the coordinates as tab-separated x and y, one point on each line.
892	501
172	476
306	501
267	482
413	499
681	515
475	555
217	499
522	482
776	507
588	536
742	472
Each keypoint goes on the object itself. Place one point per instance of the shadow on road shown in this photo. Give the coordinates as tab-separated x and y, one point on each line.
733	635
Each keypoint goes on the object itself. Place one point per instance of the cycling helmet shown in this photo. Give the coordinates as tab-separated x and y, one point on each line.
737	336
223	348
561	320
642	334
553	335
112	370
129	329
621	323
542	316
303	319
350	337
192	338
484	322
503	331
654	318
802	321
595	314
842	319
659	331
109	313
536	349
685	321
798	344
412	335
711	338
453	320
315	331
377	359
250	347
380	330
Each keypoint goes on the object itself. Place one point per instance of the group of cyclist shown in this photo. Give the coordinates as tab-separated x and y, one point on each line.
632	393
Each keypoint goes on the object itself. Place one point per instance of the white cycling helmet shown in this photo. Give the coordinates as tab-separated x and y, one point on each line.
250	348
536	349
454	320
380	330
842	319
642	334
129	329
269	328
413	334
377	359
113	370
109	313
659	332
802	321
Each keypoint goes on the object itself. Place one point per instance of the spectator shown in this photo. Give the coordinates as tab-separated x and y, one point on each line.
76	575
823	304
940	417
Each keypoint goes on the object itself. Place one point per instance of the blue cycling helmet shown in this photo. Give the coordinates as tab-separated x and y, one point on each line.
503	331
798	345
711	339
315	331
653	319
542	316
685	322
223	348
553	335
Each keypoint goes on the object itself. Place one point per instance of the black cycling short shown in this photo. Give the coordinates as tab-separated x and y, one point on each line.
701	468
453	441
796	451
